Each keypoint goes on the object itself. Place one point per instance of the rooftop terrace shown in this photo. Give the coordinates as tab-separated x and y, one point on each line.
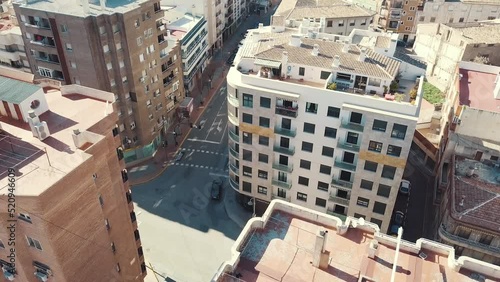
40	164
280	246
74	7
476	90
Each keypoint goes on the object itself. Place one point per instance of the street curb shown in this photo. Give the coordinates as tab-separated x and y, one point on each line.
185	137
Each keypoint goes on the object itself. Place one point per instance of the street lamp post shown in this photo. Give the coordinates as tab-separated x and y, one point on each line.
253	204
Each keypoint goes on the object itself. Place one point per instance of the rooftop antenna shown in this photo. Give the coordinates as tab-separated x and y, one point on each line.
395	264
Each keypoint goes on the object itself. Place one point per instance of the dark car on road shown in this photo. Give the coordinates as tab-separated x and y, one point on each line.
216	192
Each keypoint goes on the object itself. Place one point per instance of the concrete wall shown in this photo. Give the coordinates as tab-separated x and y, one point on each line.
479	123
26	104
446	12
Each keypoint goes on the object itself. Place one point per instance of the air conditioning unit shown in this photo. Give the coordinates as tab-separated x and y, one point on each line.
42	130
41	276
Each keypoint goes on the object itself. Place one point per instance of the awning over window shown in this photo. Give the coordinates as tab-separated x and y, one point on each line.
267	63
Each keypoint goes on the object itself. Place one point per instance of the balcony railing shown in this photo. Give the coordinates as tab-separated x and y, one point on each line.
466	243
339	200
348	146
287	168
352	126
339	215
234	136
288	151
235	185
234	153
282	184
284	131
45	59
276	197
341	164
233	101
234	169
289	112
341	183
44	42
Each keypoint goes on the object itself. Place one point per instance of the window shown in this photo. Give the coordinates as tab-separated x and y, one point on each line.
364	202
109	66
309	127
102	30
388	172
307	147
302	71
139	41
341	23
352	22
247	100
333	112
263	140
325	169
118	269
320	202
64	28
247	118
365	184
141	58
343	76
374	82
262	190
115	28
105	48
101	201
394	150
247	155
24	216
327	151
329	23
305	164
363	22
399	131
461	20
304	181
264	122
324	74
247	138
375	146
371	166
122	64
262	174
69	47
379	125
330	132
34	243
376	221
301	197
323	186
247	187
247	171
357	215
421	18
433	19
407	28
73	64
410	18
384	190
311	108
265	102
263	158
379	208
118	46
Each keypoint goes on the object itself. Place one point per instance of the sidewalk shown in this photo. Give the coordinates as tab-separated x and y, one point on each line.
234	209
152	168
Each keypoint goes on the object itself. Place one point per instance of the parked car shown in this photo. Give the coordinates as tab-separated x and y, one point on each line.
216	191
405	187
399	218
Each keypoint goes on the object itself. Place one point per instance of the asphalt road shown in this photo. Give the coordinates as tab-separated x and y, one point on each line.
185	234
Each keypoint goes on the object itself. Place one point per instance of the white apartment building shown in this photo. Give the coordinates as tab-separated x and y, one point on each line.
192	32
441	11
310	122
12	51
329	16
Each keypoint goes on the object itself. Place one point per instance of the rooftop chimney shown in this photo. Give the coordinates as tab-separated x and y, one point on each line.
261	26
315	51
284	64
336	61
320	255
362	55
295	40
345	48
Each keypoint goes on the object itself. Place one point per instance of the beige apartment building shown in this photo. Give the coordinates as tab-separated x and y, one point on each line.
74	214
119	47
311	122
399	16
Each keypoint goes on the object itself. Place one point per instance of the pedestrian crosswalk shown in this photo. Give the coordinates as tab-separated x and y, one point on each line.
203	151
199	166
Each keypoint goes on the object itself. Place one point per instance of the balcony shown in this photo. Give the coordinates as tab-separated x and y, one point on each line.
234	153
283	131
43	41
287	168
234	136
346	124
233	101
341	164
467	243
283	150
168	80
282	184
38	23
234	184
53	60
167	66
341	183
343	217
276	197
287	111
234	169
348	146
339	200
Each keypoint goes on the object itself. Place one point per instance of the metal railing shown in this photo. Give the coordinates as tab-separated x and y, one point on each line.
234	153
348	146
341	164
346	124
283	131
336	199
466	243
234	136
341	183
234	169
287	168
276	197
289	112
288	151
282	184
234	184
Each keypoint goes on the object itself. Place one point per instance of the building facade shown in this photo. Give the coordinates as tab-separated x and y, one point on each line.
74	211
298	131
12	51
121	49
399	16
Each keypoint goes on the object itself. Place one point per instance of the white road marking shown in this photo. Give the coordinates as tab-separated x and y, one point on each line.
196	166
204	141
192	165
203	151
157	203
219	175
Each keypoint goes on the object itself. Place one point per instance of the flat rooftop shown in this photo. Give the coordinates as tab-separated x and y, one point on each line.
476	90
299	9
479	33
179	22
74	7
40	164
283	251
476	192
